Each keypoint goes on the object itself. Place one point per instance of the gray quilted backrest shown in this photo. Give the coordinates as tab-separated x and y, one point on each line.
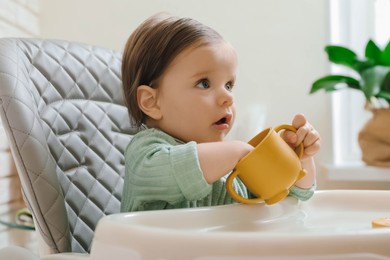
63	111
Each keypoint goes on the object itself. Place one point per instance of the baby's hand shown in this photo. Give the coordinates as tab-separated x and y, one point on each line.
306	134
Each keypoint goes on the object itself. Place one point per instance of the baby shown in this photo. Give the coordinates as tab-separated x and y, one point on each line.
178	80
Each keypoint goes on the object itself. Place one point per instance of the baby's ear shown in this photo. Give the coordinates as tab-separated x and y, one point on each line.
147	102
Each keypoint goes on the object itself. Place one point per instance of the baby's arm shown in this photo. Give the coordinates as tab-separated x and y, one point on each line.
308	181
218	158
310	138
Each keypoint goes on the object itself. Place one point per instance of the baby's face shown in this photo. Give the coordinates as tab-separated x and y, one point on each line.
195	93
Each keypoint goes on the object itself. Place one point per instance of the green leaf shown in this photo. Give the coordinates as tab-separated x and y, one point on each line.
386	83
373	52
386	55
334	82
372	79
385	95
361	66
341	55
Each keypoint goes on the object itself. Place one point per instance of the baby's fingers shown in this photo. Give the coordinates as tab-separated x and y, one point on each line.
312	149
289	137
303	132
312	136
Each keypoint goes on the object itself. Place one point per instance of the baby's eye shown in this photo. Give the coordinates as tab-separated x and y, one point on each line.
229	86
204	83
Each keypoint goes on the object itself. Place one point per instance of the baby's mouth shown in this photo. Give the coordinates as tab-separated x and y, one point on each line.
224	120
221	121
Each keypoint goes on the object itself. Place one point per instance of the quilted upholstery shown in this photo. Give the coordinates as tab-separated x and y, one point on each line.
63	111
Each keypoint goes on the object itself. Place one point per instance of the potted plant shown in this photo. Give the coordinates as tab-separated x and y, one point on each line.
373	80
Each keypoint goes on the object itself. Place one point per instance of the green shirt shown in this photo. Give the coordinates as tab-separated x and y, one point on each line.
164	173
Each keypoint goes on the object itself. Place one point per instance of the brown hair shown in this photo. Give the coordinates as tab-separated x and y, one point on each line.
150	49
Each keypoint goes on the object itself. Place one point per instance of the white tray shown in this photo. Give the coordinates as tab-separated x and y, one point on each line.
332	225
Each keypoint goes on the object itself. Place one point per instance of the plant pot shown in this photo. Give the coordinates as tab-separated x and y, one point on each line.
374	138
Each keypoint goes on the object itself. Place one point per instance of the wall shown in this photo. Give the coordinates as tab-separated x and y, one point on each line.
18	18
279	43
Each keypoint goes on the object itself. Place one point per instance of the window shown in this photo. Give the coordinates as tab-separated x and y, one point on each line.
352	23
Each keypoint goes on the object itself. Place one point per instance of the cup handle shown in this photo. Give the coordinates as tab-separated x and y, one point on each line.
293	129
234	194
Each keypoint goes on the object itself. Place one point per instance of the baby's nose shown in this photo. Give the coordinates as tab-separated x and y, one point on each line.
226	98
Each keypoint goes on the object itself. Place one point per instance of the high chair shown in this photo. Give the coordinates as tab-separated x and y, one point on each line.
63	111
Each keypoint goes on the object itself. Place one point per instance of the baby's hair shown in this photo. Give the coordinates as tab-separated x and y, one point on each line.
151	48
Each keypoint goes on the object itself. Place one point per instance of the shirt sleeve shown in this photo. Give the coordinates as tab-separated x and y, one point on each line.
302	194
187	173
158	170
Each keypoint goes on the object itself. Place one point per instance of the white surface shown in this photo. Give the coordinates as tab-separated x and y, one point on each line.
333	223
70	256
357	171
16	253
